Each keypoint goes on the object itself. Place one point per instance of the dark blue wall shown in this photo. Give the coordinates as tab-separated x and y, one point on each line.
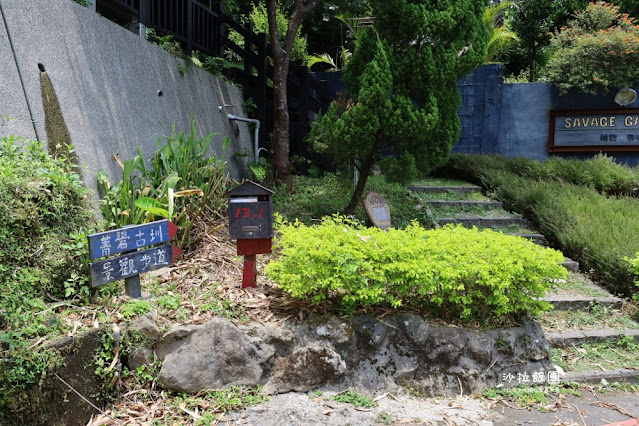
514	118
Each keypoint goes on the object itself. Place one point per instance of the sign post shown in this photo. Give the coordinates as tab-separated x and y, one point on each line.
132	262
377	210
251	223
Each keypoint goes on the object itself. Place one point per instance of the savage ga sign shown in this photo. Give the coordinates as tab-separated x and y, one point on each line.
597	130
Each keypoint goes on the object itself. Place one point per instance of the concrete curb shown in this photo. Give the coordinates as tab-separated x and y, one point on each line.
484	222
439	189
620	375
558	340
487	205
569	303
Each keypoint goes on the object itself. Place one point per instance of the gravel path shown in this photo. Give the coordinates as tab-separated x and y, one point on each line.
302	409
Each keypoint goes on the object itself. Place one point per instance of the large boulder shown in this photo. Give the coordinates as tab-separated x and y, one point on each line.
360	352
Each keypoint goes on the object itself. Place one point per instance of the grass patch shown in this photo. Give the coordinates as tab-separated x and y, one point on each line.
598	356
578	284
539	397
594	318
353	398
314	198
471	211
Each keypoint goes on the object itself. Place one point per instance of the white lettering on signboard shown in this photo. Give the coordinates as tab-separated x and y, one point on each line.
106	271
159	258
146	261
157	234
105	245
127	267
122	239
140	242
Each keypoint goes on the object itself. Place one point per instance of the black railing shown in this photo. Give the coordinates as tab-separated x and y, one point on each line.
196	26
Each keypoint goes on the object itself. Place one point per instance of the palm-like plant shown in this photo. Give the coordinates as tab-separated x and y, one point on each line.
502	39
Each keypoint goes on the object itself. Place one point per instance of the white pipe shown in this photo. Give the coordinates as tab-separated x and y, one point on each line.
257	131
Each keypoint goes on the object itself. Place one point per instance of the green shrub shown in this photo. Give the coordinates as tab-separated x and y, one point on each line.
450	273
44	215
596	51
402	170
180	173
597	230
599	172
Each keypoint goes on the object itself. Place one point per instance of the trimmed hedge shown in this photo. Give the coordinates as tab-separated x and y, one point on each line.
449	273
599	172
597	230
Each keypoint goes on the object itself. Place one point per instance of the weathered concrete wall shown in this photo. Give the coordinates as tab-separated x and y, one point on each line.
117	92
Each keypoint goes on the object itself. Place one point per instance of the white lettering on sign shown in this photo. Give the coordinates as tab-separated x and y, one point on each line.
105	245
159	258
106	271
146	260
140	242
157	234
122	239
127	266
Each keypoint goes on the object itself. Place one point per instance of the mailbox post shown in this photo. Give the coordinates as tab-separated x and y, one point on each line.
251	224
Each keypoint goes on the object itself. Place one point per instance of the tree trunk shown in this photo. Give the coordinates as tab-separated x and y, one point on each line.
281	57
364	172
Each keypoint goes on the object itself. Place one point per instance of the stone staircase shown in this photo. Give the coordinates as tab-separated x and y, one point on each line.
593	316
474	209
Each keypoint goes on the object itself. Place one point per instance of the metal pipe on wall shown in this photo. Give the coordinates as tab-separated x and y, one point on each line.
257	131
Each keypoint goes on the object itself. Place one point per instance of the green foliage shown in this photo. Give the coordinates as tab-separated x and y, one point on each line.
451	273
402	170
353	398
596	51
85	3
597	230
502	39
44	213
599	172
180	170
314	198
533	21
135	307
258	20
412	105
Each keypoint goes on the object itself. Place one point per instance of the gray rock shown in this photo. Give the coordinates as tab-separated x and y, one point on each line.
331	327
146	326
174	338
140	356
305	369
215	356
361	352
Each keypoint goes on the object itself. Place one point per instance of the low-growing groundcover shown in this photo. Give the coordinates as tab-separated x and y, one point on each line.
44	214
451	273
570	207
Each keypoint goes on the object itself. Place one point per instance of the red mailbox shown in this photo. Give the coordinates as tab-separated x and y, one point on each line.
251	224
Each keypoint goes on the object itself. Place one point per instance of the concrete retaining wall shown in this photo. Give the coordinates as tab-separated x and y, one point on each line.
116	91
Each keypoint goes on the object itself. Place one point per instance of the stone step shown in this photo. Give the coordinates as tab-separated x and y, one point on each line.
466	189
485	222
486	205
534	237
569	303
595	377
571	265
577	338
